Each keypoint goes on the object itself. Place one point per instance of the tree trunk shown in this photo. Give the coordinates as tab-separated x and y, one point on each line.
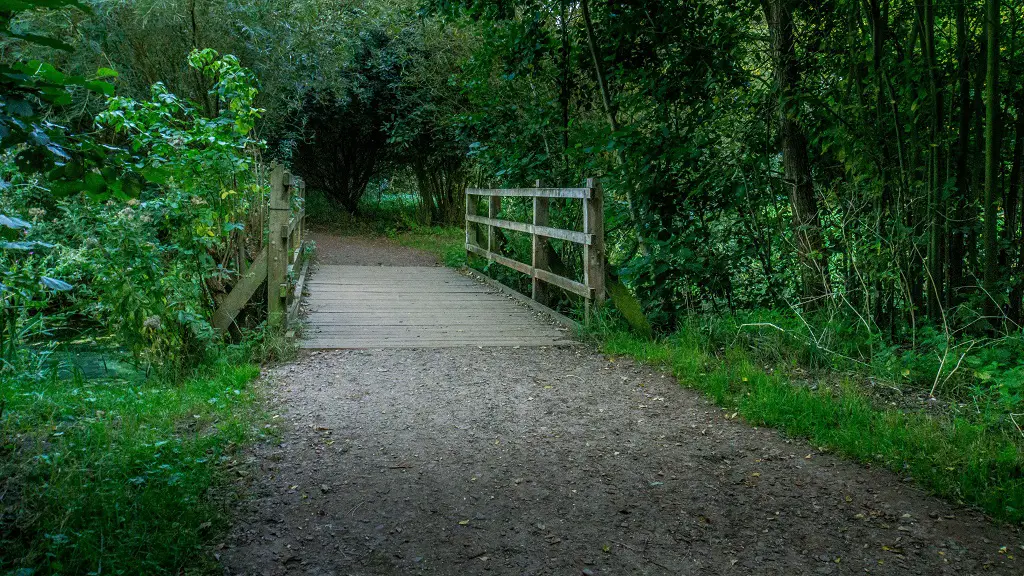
795	159
935	173
990	279
957	230
1015	214
610	114
565	80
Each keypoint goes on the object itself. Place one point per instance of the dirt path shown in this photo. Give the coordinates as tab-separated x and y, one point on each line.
564	461
367	251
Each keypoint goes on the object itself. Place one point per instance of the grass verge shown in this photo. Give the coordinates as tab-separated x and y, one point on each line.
393	216
113	476
966	461
447	243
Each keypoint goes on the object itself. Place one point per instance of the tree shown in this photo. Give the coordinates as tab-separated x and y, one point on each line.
991	277
795	160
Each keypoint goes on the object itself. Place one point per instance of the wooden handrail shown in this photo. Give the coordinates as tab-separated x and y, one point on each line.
557	233
532	192
591	237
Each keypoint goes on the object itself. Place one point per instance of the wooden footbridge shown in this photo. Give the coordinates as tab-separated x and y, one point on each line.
416	306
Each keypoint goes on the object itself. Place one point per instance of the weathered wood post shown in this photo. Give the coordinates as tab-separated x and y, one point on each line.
277	252
593	253
471	229
540	254
493	207
300	224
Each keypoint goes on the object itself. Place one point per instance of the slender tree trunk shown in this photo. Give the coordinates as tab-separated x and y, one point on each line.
935	173
957	232
565	81
991	272
795	159
879	35
610	114
1014	212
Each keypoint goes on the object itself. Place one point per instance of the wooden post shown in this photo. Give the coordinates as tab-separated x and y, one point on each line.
493	207
540	255
300	226
277	254
471	228
593	253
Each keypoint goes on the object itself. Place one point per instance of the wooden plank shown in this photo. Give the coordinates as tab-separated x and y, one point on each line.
427	316
427	321
296	220
546	231
493	207
429	331
364	343
478	307
335	292
242	292
531	192
293	310
440	297
503	260
417	307
472	232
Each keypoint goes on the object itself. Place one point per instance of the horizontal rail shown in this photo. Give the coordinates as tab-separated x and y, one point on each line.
503	260
563	282
547	232
295	221
532	192
549	277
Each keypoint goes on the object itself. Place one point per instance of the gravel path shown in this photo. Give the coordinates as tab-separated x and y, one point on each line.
565	461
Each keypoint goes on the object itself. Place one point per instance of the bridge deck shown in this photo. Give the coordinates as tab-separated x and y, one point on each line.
416	307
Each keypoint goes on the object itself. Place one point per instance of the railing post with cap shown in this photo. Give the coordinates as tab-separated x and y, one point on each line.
593	253
277	248
540	254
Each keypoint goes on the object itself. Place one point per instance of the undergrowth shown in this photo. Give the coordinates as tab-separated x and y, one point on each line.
956	453
123	475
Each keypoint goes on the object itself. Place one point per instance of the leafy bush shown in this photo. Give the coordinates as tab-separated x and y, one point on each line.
150	264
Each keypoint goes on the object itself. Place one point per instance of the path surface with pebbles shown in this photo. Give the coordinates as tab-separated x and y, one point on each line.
562	460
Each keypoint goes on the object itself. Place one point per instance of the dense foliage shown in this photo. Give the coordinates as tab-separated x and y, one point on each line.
840	183
118	216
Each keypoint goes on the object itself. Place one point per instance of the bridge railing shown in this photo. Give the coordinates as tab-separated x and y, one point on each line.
591	238
281	260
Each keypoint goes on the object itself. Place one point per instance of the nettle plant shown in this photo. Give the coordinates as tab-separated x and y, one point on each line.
169	247
24	290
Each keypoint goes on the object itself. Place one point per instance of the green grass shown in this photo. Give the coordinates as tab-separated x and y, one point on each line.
968	461
114	476
446	242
